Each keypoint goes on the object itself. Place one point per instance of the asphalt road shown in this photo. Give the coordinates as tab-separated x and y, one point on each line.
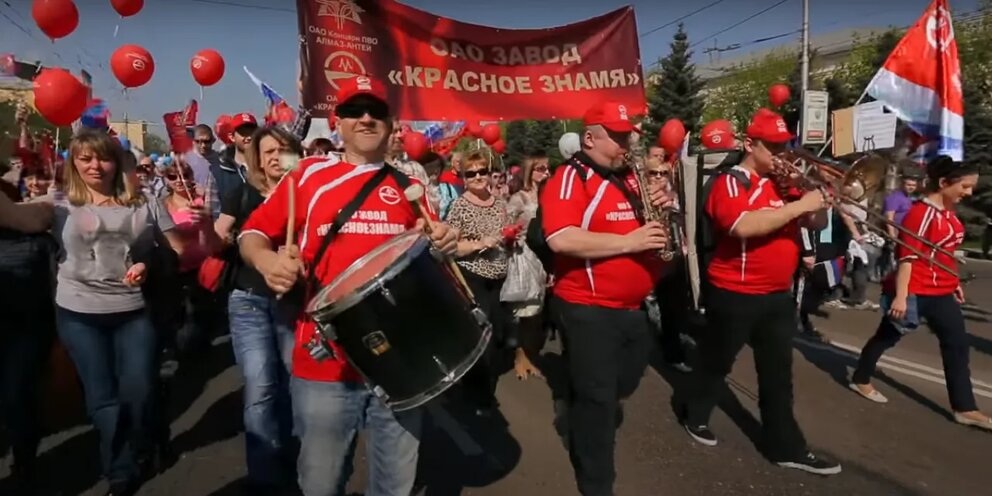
908	446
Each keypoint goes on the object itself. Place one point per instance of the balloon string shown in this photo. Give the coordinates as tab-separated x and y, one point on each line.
116	29
201	93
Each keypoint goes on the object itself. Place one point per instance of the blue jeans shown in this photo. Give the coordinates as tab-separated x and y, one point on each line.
262	337
115	356
328	417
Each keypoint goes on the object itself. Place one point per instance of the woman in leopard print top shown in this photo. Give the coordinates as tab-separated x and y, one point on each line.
480	218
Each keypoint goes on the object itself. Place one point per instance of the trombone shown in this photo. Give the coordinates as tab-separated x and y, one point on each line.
852	184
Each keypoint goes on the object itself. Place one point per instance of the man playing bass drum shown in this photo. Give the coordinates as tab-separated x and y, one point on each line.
605	264
330	402
748	298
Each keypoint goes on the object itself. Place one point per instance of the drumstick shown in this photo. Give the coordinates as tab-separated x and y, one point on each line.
291	221
414	194
289	162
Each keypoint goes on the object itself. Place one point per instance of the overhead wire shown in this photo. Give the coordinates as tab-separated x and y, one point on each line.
248	6
738	23
680	19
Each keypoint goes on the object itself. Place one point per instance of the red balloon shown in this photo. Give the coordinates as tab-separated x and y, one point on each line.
415	145
59	96
56	18
779	94
127	8
207	66
132	65
717	135
672	136
473	129
499	146
491	134
223	129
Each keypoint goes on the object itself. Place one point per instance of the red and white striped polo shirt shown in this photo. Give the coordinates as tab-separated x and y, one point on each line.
596	205
759	265
941	227
323	186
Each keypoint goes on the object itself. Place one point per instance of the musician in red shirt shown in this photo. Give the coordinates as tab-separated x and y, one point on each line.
748	296
330	402
605	265
920	289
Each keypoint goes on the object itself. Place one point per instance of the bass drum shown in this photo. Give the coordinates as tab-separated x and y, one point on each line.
402	321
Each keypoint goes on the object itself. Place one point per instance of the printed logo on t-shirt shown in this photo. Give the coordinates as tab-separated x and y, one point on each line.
389	195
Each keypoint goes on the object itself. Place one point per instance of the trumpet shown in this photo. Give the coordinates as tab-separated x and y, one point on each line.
849	185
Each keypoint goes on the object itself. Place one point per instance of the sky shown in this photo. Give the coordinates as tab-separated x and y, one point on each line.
263	35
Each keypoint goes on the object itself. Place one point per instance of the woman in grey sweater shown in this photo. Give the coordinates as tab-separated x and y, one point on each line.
110	236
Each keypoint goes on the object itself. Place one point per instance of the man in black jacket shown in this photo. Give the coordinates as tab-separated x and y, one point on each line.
231	172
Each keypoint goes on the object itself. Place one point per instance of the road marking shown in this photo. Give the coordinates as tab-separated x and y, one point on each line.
921	372
918	366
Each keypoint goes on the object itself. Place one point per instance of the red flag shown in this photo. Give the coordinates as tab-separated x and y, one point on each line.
921	81
176	124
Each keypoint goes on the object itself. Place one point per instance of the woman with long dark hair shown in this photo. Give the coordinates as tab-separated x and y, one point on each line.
108	234
920	289
261	324
521	209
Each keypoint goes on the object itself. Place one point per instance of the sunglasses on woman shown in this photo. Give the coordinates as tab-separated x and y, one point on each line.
541	168
475	173
657	173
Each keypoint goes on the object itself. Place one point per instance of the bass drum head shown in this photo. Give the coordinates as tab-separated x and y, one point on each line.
365	274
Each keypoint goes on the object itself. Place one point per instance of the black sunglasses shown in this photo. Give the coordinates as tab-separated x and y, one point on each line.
657	173
203	141
541	169
376	109
475	173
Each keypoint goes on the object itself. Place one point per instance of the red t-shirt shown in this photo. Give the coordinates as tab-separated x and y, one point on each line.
323	186
941	227
759	265
450	177
595	205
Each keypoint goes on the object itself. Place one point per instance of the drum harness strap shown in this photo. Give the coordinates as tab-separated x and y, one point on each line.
344	215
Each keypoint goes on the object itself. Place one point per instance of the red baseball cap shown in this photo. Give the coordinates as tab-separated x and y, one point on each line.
242	119
769	126
611	115
361	85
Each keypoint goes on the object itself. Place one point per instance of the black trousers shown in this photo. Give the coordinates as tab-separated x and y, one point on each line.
606	351
673	302
27	331
944	317
767	322
480	381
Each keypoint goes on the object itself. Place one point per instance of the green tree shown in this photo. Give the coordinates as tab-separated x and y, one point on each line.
736	95
155	144
519	142
676	91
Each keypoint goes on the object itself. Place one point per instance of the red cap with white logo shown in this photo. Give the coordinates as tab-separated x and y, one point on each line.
611	115
242	119
768	126
361	85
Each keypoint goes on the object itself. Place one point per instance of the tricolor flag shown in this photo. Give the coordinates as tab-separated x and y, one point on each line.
270	94
921	82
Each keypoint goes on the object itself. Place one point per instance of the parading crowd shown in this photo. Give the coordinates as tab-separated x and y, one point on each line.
134	265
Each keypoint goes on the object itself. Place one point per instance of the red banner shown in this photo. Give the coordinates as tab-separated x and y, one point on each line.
176	124
440	69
